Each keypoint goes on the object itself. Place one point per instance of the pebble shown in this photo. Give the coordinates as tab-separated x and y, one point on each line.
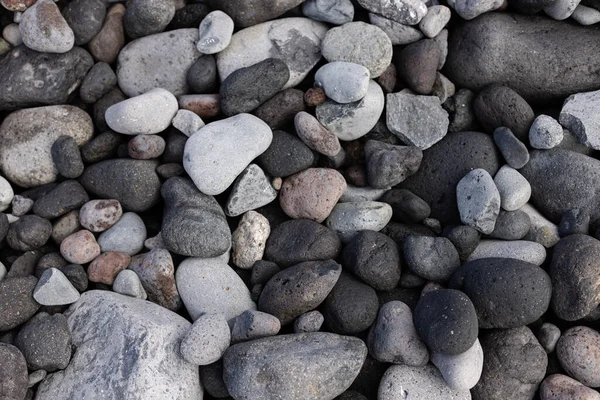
548	335
149	113
252	325
393	337
249	239
501	291
586	15
187	122
561	9
54	289
561	387
67	157
298	289
478	200
296	241
315	135
211	286
251	190
109	41
417	65
3	271
513	188
399	34
65	226
524	250
286	155
462	371
471	9
99	109
281	109
35	130
211	377
500	106
343	82
347	219
434	21
353	120
100	80
545	132
17	304
309	322
216	30
146	17
36	377
106	267
13	380
216	154
511	225
80	247
205	105
245	89
336	12
576	350
358	194
30	232
44	29
406	206
146	147
99	215
128	283
126	236
577	115
542	230
206	340
432	258
417	120
443	88
65	197
424	382
85	18
387	165
329	363
408	12
574	221
45	341
6	195
359	43
283	39
248	13
11	34
193	223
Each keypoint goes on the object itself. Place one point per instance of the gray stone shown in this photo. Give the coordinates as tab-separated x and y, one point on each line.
315	135
393	337
352	120
17	304
6	195
216	154
417	120
187	122
129	284
283	39
66	196
574	221
157	274
577	351
561	9
202	76
431	258
398	33
146	147
216	30
286	155
347	219
511	225
3	271
359	43
358	194
99	215
36	377
545	132
123	334
142	63
100	80
329	364
579	115
65	226
44	29
461	371
513	188
248	241
55	289
80	247
343	82
251	325
336	12
586	15
11	34
126	236
67	157
211	286
251	190
309	322
434	21
469	9
145	17
387	164
542	230
85	18
206	341
13	373
478	200
251	12
443	88
548	335
562	387
29	232
151	112
408	12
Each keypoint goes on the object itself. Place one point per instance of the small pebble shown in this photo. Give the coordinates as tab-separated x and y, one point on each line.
249	239
561	9
105	46
202	76
155	242
145	17
577	351
11	34
76	275
80	247
511	225
314	97
28	232
315	135
251	190
542	230
99	215
471	9
548	335
36	377
65	226
562	387
461	371
126	236
545	132
434	21
387	165
513	188
187	122
513	150
408	12
54	289
6	194
336	12
399	34
309	322
347	219
146	147
67	157
100	80
251	325
523	250
431	258
216	30
128	283
44	29
206	340
478	200
584	16
343	82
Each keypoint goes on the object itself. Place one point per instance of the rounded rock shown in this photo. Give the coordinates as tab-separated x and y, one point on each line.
461	371
251	325
286	155
249	240
206	341
513	188
148	113
145	147
337	12
216	30
431	258
347	219
548	335
13	371
435	20
106	267
55	289
67	157
343	82
6	194
145	17
44	29
17	304
315	135
30	232
126	236
561	387
478	200
99	215
545	132
80	247
105	46
309	322
513	150
128	283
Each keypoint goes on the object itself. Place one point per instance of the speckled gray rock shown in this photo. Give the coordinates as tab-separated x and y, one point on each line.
398	33
435	20
562	387
13	381
142	63
126	236
347	219
336	12
548	335
151	112
545	132
286	155
469	9
54	289
211	286
513	188
343	82
157	274
146	147
513	150
578	115
85	18
206	341
432	258
315	135
100	80
187	122
408	12
329	363
251	325
17	304
586	15
129	284
65	226
461	371
202	76
216	30
387	164
249	239
309	322
511	225
121	327
523	250
417	120
67	158
30	232
99	215
21	205
561	9
44	29
576	350
478	200
145	17
251	190
67	196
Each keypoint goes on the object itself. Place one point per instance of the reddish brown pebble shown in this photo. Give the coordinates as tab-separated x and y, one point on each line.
106	267
99	215
388	79
17	5
80	247
314	96
105	46
205	105
146	147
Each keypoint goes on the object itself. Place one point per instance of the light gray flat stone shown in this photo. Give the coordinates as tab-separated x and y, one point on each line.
206	341
461	371
128	283
347	219
478	200
545	133
513	188
55	289
187	122
523	250
561	9
44	29
580	115
436	19
126	236
586	15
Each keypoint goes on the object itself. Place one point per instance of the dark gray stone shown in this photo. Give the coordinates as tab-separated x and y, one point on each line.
17	304
4	224
251	12
298	289
267	368
85	17
47	261
133	182
23	69
67	196
351	395
460	109
407	206
286	155
100	80
30	232
101	147
574	221
281	108
513	150
145	17
431	258
170	170
262	271
76	275
25	264
511	225
67	157
506	292
175	147
13	373
309	322
464	238
398	231
388	165
202	75
211	376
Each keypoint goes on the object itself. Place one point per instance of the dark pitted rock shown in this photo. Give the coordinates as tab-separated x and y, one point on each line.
101	147
202	75
514	364
17	304
13	373
67	157
286	155
100	80
488	50
432	258
417	65
500	106
22	69
251	12
511	225
374	258
407	206
281	108
68	195
351	307
575	273
300	240
464	238
444	165
145	17
30	232
133	182
446	320
85	18
329	364
513	150
577	351
298	289
189	16
506	293
388	165
193	224
262	271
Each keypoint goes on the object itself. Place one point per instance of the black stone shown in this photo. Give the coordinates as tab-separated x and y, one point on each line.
174	147
388	165
76	275
17	304
189	16
85	17
67	196
511	225
407	206
13	373
100	80
30	232
202	76
398	232
67	157
417	65
25	264
461	113
3	226
211	376
286	155
101	147
574	221
513	150
281	108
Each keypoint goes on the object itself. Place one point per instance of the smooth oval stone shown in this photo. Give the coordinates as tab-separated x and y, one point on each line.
562	387
85	17
488	50
343	82
44	29
296	241
347	219
283	39
577	350
80	247
133	183
206	341
67	157
216	154
337	12
216	30
513	188
399	34
202	75
513	150
28	233
499	106
35	130
461	371
251	12
478	200
67	196
146	147
523	250
142	63
432	258
17	304
286	155
145	17
298	289
126	236
99	215
329	364
105	46
251	325
506	293
7	195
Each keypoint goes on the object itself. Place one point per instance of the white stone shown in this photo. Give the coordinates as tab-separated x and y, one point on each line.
435	20
126	236
523	250
580	114
583	15
514	189
44	29
6	194
206	341
55	289
11	34
216	30
461	371
545	133
187	122
343	82
249	239
478	200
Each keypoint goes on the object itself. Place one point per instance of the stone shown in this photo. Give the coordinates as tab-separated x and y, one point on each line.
561	387
151	112
35	130
524	250
353	120
443	88
542	230
6	195
216	30
44	29
283	39
576	351
101	147
211	286
262	271
193	223
586	15
399	34
469	9
478	200
54	289
347	219
251	190
343	82
13	376
336	12
187	122
66	196
408	12
422	382
85	18
545	132
99	215
460	107
281	108
126	236
393	337
431	258
128	283
406	205
359	43
514	364
216	154
106	267
417	65
100	80
469	66
18	5
211	377
548	335
146	17
20	205
66	157
146	147
45	341
205	105
142	63
248	13
329	362
133	183
446	321
417	120
36	377
109	41
249	239
286	155
561	9
577	115
511	225
99	110
315	135
461	371
387	165
202	76
17	304
65	226
574	221
513	188
206	340
435	20
309	322
501	291
252	325
30	232
298	289
121	327
50	260
358	194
